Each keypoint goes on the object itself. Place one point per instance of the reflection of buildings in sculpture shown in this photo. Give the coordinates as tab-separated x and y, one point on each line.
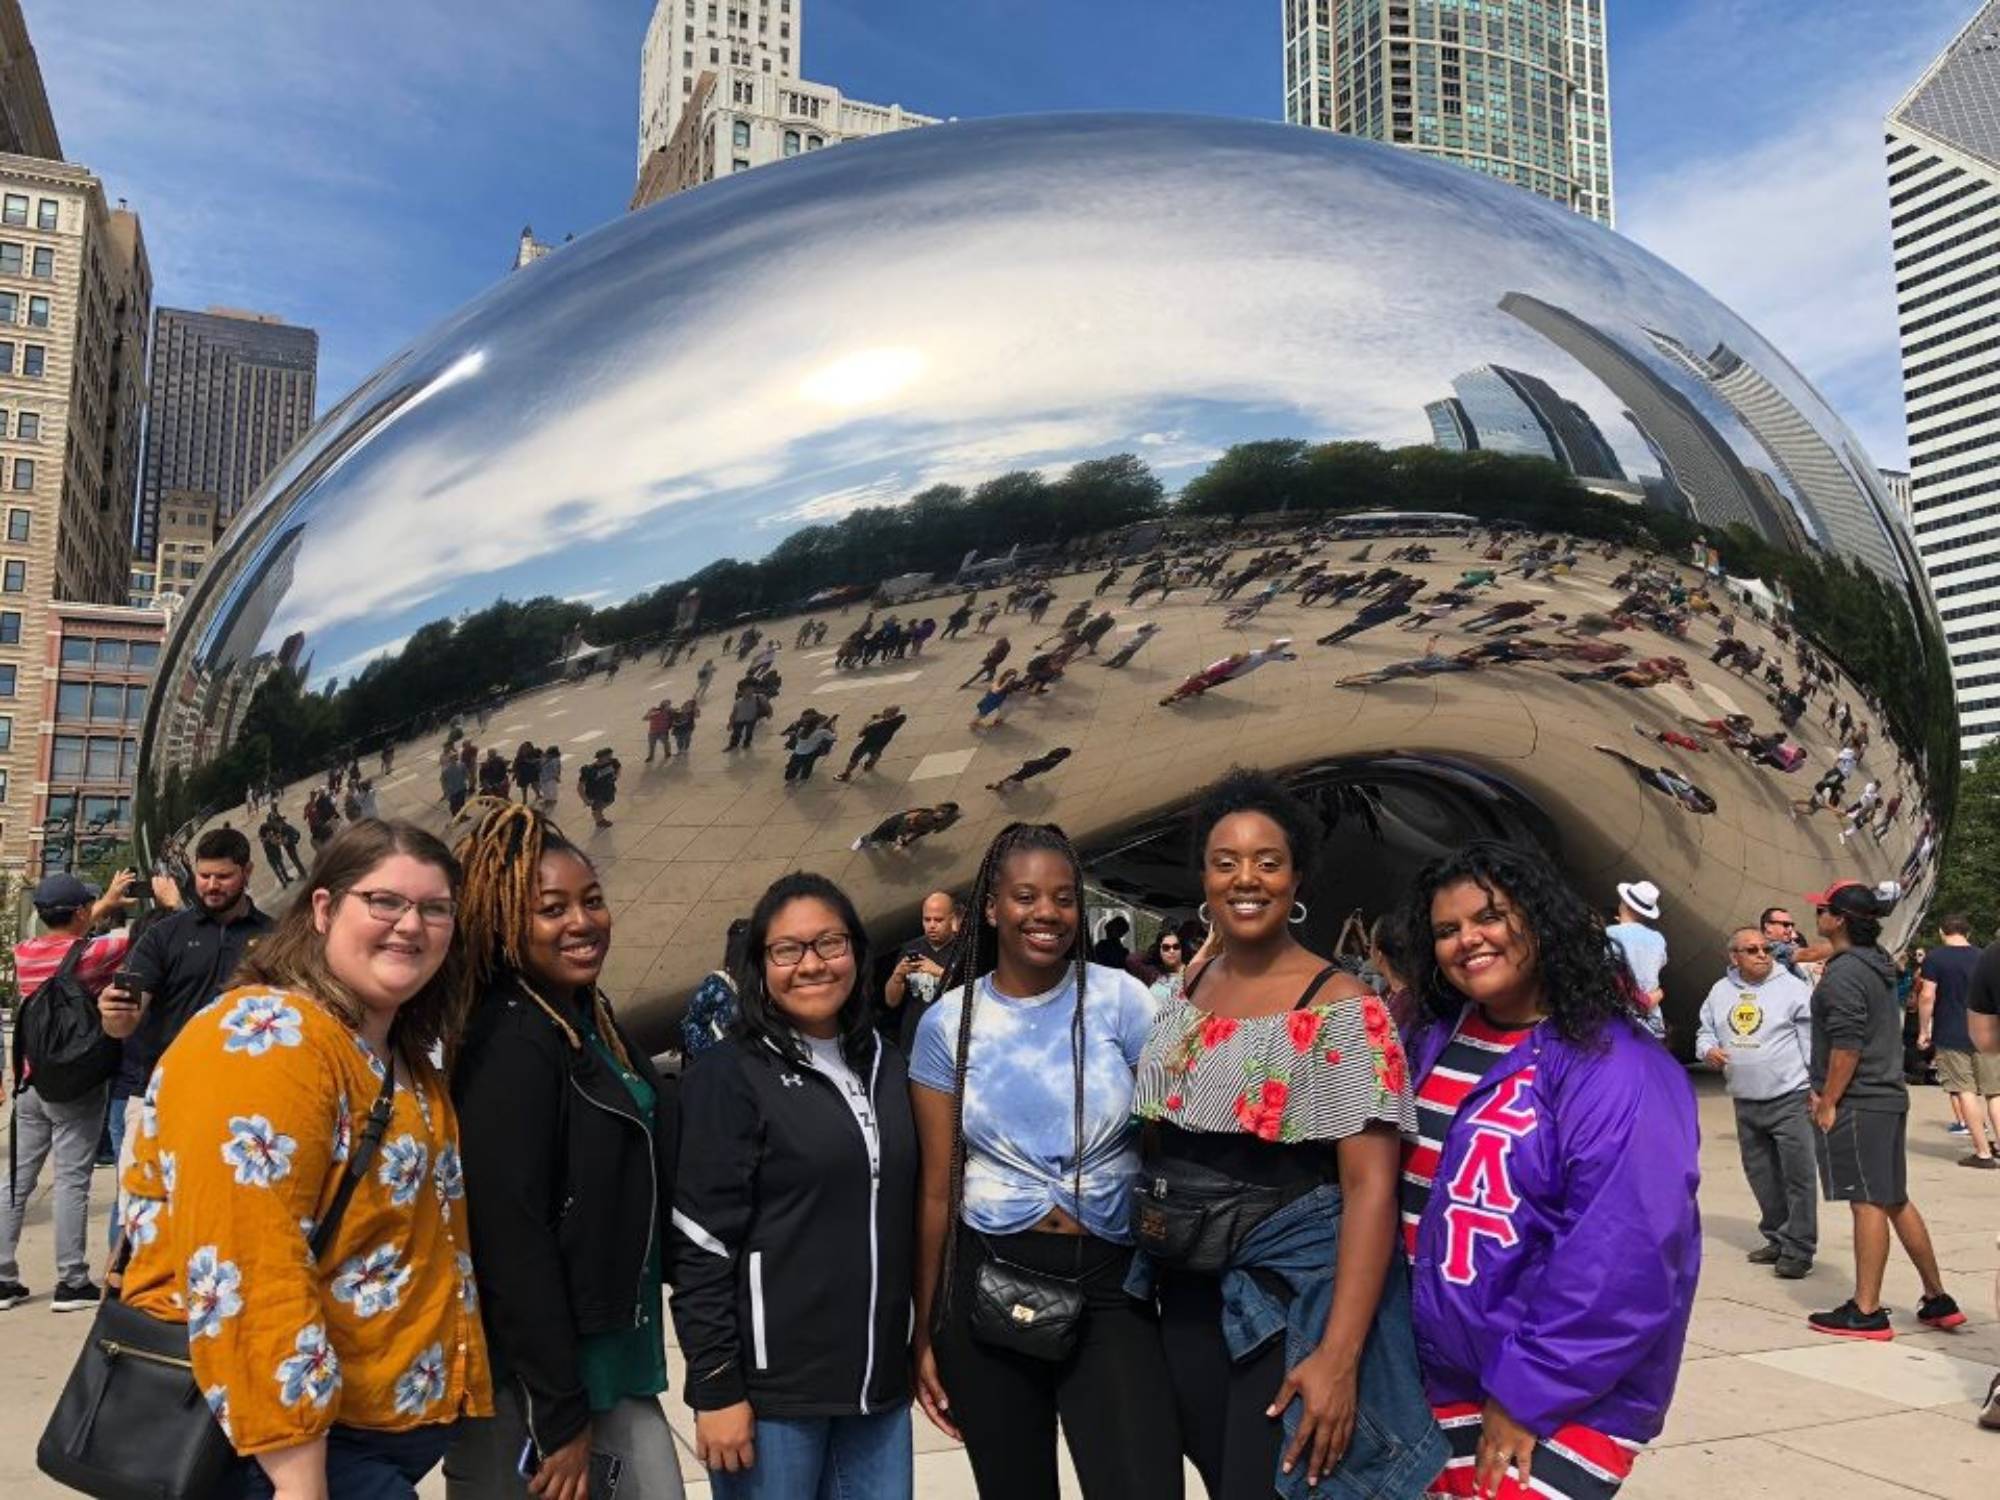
529	249
1509	411
1841	509
1471	88
1697	458
1943	141
256	600
1897	483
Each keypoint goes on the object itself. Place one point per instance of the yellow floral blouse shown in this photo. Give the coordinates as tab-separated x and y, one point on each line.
242	1139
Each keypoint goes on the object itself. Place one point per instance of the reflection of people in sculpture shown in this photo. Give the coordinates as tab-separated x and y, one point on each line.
873	740
1231	668
1500	614
1380	612
1674	737
1663	779
1430	664
901	830
994	702
1651	672
1242	614
990	662
1028	770
1130	649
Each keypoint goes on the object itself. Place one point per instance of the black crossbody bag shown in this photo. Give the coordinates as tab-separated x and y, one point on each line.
1031	1312
131	1424
1193	1217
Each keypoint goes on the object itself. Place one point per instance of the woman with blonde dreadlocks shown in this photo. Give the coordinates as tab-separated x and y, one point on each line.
1021	1082
569	1140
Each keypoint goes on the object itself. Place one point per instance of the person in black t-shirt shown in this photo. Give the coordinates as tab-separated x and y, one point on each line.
920	969
1971	1079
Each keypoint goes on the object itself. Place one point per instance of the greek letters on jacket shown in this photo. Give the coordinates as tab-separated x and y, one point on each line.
1557	1255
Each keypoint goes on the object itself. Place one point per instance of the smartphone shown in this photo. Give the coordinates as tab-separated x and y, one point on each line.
530	1462
607	1470
129	982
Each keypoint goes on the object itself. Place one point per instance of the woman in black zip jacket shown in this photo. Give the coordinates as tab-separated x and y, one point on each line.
568	1139
794	1219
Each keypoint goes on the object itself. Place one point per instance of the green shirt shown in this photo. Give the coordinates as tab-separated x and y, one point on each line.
627	1362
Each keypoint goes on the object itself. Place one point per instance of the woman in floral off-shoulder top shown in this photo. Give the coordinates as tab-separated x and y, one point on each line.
1278	1080
345	1377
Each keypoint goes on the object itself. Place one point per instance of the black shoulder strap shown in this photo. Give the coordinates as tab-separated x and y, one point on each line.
358	1158
1319	982
1188	989
64	969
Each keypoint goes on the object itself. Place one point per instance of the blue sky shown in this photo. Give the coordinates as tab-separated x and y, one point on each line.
365	167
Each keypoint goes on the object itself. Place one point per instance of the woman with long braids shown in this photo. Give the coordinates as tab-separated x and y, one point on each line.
794	1218
569	1143
1274	1091
1548	1189
1022	1087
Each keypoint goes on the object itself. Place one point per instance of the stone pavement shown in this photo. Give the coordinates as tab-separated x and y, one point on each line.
1765	1411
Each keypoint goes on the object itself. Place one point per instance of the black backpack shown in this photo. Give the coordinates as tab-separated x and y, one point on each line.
61	1040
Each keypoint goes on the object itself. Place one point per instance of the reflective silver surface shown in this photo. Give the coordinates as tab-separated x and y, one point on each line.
738	391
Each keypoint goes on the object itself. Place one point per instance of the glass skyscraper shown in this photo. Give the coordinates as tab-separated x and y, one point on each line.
1517	89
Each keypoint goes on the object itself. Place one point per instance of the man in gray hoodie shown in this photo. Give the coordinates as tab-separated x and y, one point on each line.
1861	1105
1756	1028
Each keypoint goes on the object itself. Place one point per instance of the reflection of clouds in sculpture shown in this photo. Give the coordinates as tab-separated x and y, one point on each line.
1074	284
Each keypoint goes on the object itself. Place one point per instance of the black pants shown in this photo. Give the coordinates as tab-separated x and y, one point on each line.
1111	1393
1221	1405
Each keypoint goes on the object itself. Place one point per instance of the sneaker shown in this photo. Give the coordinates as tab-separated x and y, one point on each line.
1792	1268
1850	1322
1982	1163
1989	1416
1956	1128
1939	1312
1764	1255
81	1296
12	1294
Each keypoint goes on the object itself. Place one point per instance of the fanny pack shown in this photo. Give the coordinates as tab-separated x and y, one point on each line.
1195	1218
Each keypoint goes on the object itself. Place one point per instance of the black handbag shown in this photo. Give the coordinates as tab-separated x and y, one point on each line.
1193	1217
131	1424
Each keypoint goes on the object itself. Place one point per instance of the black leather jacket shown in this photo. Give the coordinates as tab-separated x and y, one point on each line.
567	1192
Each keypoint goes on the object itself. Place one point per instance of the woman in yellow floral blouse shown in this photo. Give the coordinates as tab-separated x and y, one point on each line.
344	1379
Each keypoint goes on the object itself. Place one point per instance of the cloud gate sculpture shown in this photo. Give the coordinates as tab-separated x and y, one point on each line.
1253	444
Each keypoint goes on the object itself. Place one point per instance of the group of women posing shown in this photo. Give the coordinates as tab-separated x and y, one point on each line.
1240	1220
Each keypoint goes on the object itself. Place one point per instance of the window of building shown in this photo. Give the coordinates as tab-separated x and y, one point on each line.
6	357
107	702
18	521
10	307
38	312
29	429
10	258
714	56
813	143
66	757
24	473
114	654
10	627
740	135
739	165
145	655
76	651
45	263
7	671
6	732
46	210
13	576
791	143
34	359
135	705
101	758
191	569
14	209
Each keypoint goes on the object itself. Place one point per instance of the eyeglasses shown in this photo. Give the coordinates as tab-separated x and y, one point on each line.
1175	947
387	907
1751	948
789	953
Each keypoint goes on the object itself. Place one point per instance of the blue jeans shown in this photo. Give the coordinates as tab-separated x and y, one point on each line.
363	1465
114	1132
826	1458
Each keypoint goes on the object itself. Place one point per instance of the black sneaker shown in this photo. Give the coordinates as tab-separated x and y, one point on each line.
12	1294
1939	1312
1982	1163
1764	1255
1850	1322
1792	1268
82	1296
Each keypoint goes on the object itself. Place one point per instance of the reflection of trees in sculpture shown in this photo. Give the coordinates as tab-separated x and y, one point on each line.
509	645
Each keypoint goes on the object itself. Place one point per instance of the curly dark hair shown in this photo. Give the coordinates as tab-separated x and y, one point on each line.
1583	972
1244	790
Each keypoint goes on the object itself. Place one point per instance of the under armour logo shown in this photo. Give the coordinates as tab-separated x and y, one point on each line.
791	1080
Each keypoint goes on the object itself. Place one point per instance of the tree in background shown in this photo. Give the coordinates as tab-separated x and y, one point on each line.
1969	873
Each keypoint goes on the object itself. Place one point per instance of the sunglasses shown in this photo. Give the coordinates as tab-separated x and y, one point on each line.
1751	948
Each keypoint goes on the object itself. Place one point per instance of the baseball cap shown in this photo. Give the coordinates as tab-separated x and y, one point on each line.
62	892
1852	898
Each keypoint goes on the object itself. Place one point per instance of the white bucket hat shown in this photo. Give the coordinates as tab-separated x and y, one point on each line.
1642	896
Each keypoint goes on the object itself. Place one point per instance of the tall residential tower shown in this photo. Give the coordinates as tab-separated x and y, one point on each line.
231	392
1520	91
1944	204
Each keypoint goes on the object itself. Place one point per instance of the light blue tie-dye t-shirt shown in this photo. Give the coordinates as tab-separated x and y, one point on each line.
1020	1113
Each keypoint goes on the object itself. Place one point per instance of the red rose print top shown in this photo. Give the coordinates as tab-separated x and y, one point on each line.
1313	1074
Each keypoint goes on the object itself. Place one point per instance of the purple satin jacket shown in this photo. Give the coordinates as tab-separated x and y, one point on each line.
1557	1256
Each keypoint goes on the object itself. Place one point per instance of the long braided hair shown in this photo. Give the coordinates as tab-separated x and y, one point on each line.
978	955
501	854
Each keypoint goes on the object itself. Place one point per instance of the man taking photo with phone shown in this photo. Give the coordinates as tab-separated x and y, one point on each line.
179	964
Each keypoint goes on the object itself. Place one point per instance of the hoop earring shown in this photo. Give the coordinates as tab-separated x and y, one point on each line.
1299	912
1201	915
